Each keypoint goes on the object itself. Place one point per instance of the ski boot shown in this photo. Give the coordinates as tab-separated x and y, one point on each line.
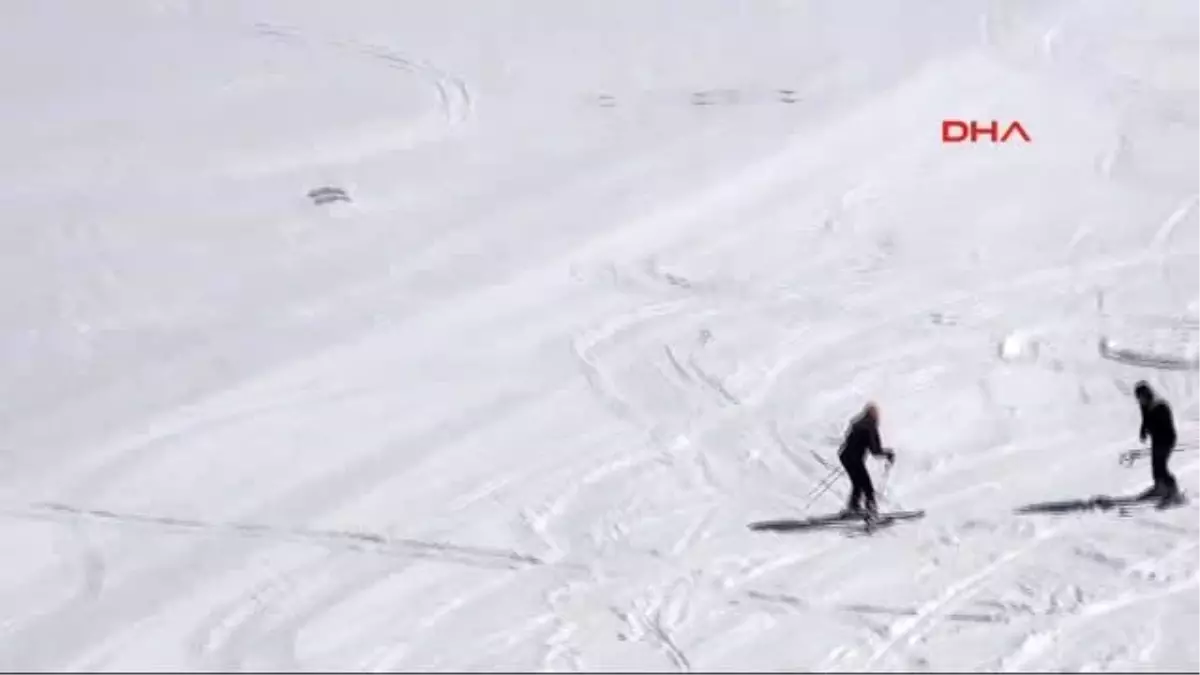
851	512
1169	499
870	515
1150	493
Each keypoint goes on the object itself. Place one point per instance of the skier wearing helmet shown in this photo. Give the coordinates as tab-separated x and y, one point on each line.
1159	425
862	437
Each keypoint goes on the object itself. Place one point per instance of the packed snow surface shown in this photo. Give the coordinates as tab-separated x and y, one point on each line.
442	335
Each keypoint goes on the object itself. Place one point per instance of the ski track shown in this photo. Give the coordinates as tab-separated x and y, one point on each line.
909	630
223	640
1037	642
340	539
90	563
455	103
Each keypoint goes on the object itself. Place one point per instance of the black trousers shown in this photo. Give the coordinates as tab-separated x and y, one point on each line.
1163	480
860	483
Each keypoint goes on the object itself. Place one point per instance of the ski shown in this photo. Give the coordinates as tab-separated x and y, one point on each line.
882	519
1158	504
803	524
888	518
1106	503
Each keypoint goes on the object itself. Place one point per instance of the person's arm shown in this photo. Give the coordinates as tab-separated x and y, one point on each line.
875	445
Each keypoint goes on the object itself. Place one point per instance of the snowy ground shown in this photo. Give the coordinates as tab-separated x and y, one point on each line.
612	280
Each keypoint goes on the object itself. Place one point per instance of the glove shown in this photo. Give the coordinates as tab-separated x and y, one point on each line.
890	455
1142	436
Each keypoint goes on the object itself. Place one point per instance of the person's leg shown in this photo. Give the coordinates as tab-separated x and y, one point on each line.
848	466
868	491
860	484
1163	480
1157	467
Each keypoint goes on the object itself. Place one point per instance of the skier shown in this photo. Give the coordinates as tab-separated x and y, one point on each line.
1159	425
862	437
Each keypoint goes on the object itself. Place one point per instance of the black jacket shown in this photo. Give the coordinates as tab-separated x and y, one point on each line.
1158	423
861	437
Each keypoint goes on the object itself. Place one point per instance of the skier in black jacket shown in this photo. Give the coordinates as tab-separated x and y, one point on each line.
862	437
1159	425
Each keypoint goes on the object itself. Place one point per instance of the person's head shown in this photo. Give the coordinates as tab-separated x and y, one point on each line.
871	411
1143	393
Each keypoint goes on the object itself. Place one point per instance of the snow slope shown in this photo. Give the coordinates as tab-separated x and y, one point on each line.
612	278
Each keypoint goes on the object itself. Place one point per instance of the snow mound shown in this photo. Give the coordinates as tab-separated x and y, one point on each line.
1018	347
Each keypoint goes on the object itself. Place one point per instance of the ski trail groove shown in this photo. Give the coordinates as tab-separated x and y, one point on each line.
585	345
645	619
910	630
219	642
1171	222
453	94
472	556
91	563
392	658
795	603
1034	644
455	103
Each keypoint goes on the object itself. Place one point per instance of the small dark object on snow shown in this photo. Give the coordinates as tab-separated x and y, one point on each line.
328	195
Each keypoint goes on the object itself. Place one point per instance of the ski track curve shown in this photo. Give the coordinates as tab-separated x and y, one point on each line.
909	630
455	102
219	641
1036	642
90	562
664	611
212	557
263	623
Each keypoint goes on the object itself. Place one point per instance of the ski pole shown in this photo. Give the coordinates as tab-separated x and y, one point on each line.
1131	456
887	472
823	487
824	484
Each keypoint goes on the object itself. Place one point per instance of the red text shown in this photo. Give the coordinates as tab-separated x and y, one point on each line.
969	131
